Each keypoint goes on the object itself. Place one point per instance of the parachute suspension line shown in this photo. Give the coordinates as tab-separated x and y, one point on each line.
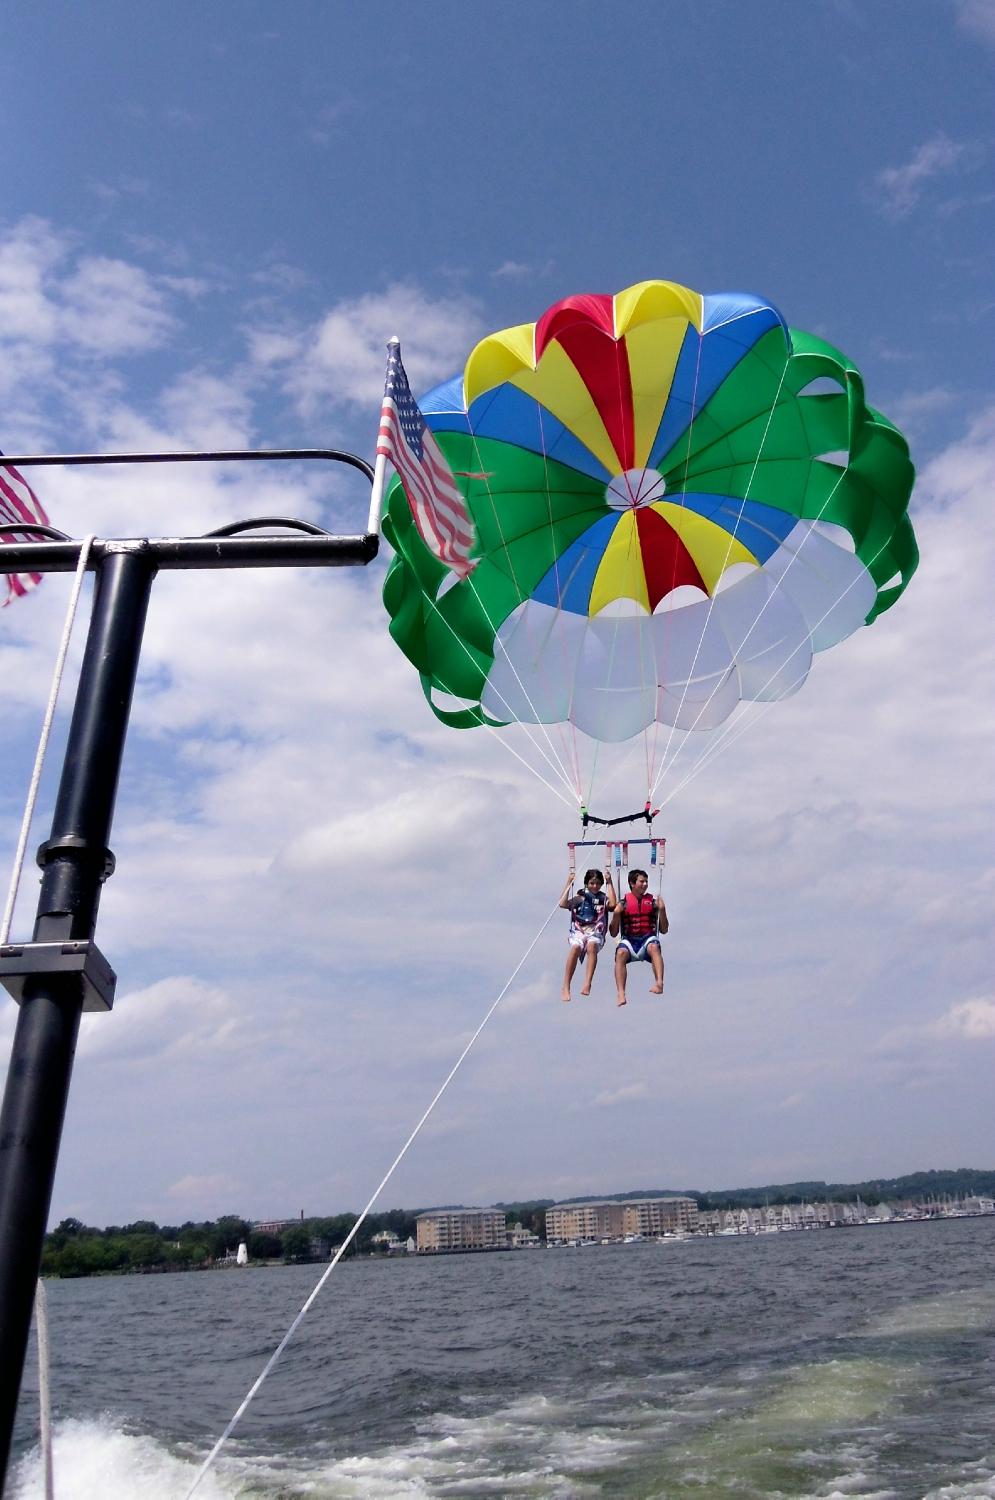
734	729
652	780
518	590
646	758
521	595
711	598
562	770
306	1306
570	746
521	758
618	766
46	730
612	654
556	768
796	553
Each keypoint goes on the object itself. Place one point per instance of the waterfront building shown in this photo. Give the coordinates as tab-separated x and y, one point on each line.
453	1230
520	1238
613	1219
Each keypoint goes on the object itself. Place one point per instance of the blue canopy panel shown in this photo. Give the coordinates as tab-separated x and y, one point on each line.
447	397
569	582
510	416
732	324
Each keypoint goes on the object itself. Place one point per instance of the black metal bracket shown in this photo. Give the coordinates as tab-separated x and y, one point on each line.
71	843
19	962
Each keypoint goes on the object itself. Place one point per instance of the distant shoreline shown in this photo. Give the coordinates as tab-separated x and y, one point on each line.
365	1257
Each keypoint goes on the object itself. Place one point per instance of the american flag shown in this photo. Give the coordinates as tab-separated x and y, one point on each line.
18	502
436	503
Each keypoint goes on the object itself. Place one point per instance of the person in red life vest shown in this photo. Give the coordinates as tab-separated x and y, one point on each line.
641	920
588	924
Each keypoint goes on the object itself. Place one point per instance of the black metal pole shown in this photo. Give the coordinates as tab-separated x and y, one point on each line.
75	861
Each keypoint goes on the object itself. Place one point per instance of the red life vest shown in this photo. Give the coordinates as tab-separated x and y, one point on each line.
638	916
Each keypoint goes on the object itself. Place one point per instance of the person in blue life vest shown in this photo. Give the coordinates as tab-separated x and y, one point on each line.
641	920
588	924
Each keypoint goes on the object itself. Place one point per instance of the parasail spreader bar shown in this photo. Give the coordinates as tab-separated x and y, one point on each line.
646	813
618	849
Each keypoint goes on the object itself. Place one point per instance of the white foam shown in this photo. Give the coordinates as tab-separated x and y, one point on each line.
94	1460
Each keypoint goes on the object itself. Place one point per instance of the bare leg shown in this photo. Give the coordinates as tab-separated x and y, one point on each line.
568	972
621	961
592	964
656	959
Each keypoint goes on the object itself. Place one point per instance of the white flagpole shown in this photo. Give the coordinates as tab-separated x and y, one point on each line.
379	474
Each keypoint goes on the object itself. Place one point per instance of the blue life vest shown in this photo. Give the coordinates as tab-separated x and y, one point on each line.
590	909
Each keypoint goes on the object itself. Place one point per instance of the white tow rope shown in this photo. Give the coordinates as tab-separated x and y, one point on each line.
46	729
355	1228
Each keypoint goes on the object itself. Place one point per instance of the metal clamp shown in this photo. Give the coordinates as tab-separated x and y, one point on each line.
20	962
71	843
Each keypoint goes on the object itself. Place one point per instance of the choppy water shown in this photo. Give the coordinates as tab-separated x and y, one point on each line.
841	1363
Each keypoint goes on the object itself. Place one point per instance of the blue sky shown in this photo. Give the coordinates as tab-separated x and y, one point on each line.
213	218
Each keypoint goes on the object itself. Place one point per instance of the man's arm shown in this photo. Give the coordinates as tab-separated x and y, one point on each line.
663	921
566	900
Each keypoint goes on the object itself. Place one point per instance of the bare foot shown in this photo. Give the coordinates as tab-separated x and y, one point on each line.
565	995
621	1000
656	989
585	989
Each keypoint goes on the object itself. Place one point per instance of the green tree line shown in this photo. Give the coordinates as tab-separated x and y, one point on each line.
75	1249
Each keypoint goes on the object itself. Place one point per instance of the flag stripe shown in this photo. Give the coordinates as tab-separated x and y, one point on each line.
18	502
452	516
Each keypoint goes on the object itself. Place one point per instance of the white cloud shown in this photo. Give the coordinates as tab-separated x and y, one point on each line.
175	1016
65	317
203	1192
344	358
27	254
111	307
624	1094
911	409
207	411
523	270
272	346
963	1021
977	18
971	1020
901	187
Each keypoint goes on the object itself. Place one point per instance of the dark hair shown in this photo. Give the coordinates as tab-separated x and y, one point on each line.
634	876
590	874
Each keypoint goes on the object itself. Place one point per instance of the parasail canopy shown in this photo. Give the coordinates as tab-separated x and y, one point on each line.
675	499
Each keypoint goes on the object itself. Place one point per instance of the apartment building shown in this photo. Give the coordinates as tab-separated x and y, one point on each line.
448	1231
656	1216
613	1219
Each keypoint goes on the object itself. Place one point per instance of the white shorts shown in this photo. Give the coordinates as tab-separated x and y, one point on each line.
638	948
582	940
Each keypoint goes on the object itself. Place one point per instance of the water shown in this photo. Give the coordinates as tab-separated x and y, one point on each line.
856	1362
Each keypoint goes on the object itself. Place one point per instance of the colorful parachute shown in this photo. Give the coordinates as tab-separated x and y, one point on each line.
676	500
